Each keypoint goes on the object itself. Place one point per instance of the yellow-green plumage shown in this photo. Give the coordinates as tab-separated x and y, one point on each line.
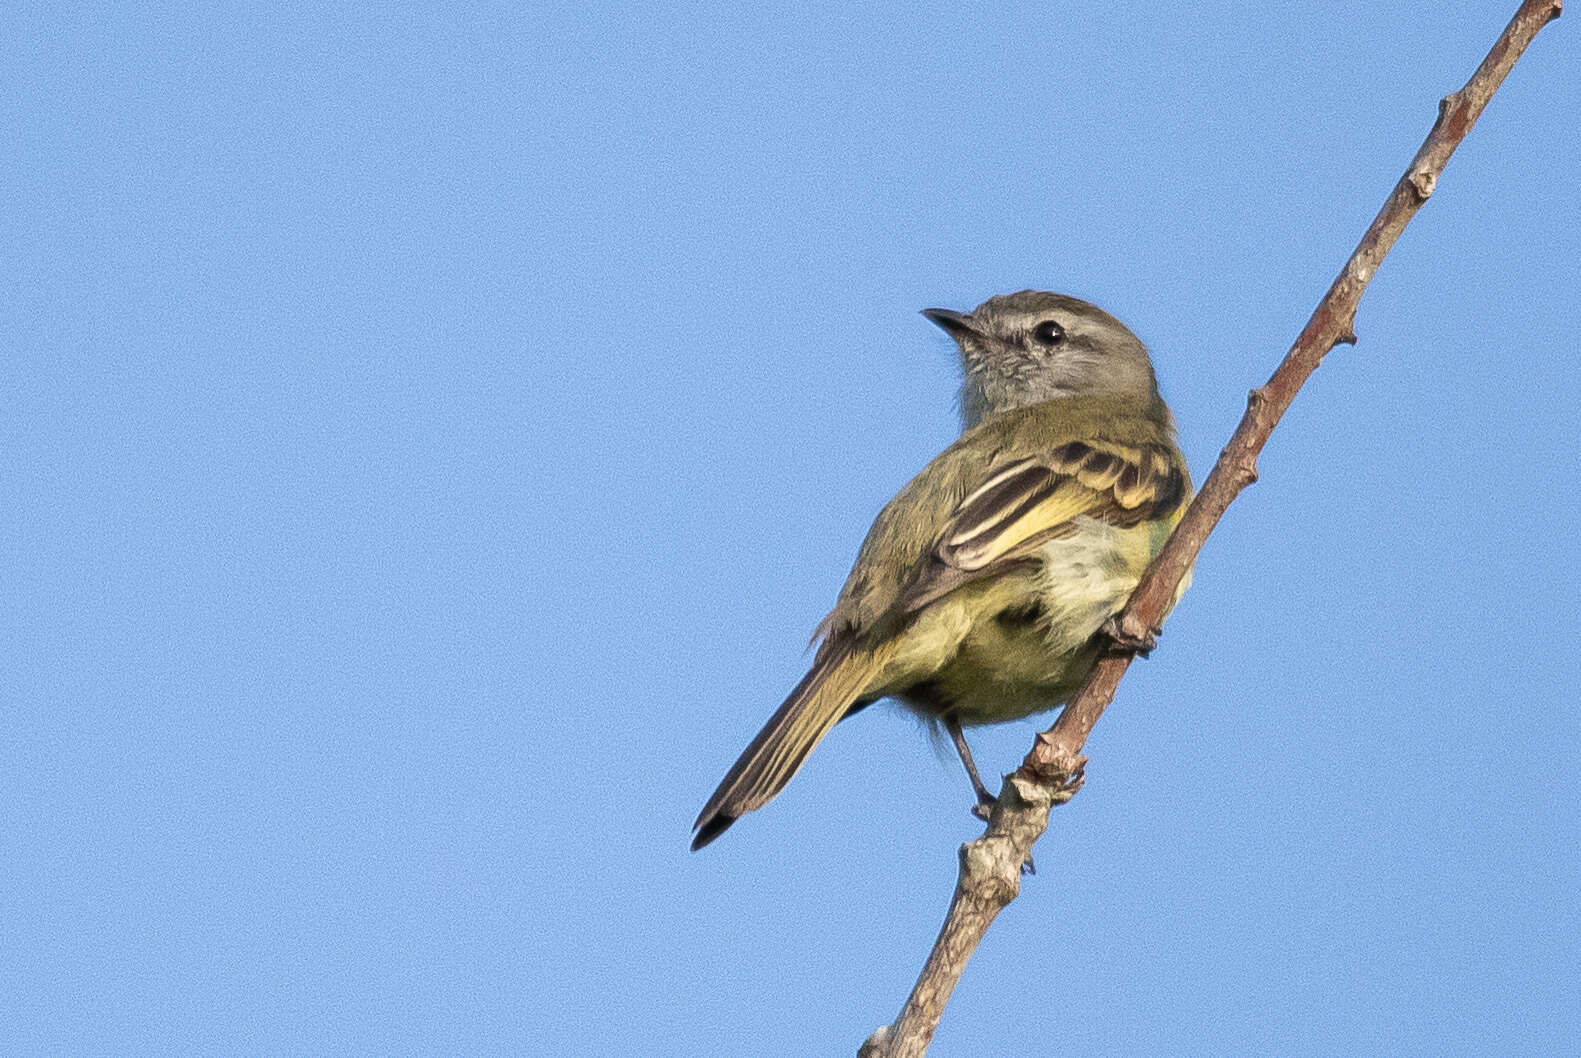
1018	640
979	592
899	538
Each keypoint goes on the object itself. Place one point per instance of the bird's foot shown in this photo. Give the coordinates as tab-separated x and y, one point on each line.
984	805
1129	639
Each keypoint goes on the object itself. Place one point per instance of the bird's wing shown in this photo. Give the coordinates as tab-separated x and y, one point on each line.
1002	522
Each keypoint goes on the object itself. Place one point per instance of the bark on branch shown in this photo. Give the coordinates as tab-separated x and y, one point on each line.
1051	774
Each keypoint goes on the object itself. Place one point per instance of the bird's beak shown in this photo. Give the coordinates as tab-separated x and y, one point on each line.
958	324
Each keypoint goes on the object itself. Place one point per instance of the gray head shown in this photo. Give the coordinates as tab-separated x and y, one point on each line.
1032	346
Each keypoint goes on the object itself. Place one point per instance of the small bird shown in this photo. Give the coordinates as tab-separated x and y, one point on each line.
983	589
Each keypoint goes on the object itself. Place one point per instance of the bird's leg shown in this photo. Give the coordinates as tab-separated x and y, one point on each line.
1126	639
985	800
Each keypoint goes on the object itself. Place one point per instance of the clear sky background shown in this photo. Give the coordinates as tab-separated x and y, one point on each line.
431	432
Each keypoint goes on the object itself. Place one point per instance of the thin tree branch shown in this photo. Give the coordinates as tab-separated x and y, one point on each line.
1051	774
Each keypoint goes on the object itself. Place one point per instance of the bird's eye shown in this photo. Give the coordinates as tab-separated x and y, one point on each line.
1048	333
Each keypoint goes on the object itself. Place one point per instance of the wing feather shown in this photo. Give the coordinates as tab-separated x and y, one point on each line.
1003	521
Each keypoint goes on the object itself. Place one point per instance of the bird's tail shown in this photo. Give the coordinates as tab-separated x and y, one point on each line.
827	693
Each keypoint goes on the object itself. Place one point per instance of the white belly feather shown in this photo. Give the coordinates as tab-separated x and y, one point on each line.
1086	578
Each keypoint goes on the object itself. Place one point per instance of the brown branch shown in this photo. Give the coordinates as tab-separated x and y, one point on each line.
1051	774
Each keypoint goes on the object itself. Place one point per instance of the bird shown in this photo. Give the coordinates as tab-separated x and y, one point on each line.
982	592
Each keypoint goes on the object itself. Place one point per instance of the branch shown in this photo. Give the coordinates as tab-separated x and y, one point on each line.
1052	772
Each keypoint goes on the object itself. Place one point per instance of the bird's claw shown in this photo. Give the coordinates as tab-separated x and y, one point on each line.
1129	641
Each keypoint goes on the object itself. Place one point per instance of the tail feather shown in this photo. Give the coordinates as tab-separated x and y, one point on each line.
823	696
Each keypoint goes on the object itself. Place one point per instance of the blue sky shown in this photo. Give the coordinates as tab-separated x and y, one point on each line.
432	433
